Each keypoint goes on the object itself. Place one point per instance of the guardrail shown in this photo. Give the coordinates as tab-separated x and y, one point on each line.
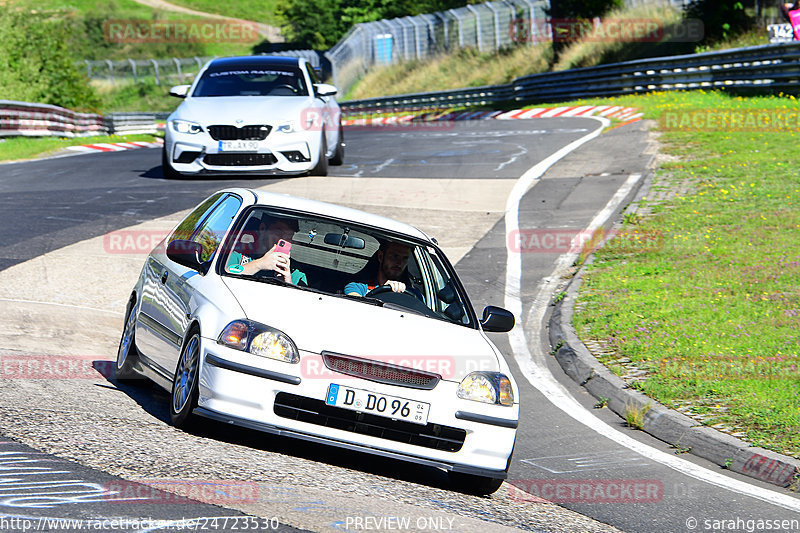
41	120
25	119
755	69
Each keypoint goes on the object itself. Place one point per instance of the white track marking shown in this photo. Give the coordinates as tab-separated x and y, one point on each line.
544	382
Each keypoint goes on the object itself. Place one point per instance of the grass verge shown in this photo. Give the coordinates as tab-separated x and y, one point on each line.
712	314
19	148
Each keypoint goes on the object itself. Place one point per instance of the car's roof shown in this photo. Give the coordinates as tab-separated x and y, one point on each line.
296	203
238	61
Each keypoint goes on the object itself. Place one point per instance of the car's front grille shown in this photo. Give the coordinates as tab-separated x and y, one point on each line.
257	132
234	159
317	412
380	372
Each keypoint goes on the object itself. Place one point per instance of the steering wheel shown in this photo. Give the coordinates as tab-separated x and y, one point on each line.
285	86
382	289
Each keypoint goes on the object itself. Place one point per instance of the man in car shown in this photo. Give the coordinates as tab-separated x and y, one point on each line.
392	262
269	234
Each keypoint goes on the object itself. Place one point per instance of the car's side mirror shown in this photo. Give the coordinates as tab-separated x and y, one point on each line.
497	320
179	91
324	89
186	253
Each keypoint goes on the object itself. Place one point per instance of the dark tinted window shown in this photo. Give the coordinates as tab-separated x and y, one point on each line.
252	80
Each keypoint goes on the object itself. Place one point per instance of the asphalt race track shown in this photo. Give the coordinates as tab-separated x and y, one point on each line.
64	281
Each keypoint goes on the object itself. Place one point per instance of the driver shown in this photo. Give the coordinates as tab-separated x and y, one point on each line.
278	263
392	262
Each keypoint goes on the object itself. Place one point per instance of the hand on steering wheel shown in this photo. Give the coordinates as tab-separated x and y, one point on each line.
390	287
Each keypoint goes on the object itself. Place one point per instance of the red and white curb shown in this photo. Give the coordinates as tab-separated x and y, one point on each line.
116	147
621	113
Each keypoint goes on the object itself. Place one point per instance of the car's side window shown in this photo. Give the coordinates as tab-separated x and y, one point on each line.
213	229
189	225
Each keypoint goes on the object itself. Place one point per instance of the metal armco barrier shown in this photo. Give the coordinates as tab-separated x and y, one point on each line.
41	120
25	119
756	69
131	123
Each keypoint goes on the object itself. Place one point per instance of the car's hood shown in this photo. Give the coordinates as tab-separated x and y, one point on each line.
318	323
248	109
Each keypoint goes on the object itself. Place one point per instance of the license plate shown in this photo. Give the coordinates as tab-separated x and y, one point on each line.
238	146
378	404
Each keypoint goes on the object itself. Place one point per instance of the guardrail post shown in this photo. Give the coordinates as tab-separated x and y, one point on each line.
460	27
178	67
155	66
490	5
477	26
110	69
133	68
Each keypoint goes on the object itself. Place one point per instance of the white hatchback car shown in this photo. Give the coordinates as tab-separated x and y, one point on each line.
332	355
254	115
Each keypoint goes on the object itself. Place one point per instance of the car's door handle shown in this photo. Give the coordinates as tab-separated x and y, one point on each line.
164	276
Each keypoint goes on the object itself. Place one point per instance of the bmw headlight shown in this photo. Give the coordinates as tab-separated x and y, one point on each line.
487	387
286	127
184	126
258	339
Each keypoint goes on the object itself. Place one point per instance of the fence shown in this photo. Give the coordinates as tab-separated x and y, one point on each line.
755	69
170	71
487	26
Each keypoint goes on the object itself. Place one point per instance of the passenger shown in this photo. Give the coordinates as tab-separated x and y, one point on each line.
392	262
278	263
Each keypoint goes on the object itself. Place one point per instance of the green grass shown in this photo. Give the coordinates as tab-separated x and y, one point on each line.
255	10
144	96
713	312
18	148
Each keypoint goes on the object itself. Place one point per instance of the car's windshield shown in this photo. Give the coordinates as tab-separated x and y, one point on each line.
251	80
346	259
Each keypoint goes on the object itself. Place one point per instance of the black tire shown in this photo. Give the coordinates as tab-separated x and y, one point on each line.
183	398
127	355
472	484
166	168
322	165
338	154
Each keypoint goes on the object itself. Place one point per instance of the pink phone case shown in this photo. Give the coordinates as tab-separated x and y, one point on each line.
283	247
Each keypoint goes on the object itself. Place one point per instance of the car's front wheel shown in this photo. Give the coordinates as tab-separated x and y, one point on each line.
126	353
184	387
166	168
472	484
338	154
322	164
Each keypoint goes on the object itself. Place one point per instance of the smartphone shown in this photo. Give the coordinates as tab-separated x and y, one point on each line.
283	247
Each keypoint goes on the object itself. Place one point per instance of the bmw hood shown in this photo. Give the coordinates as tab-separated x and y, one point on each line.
248	109
318	322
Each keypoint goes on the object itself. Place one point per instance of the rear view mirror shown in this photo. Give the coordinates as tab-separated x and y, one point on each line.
344	241
497	319
186	253
179	91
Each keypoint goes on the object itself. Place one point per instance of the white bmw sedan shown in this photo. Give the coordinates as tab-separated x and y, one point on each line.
254	115
323	323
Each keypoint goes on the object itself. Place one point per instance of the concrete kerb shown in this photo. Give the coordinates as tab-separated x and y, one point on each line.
672	427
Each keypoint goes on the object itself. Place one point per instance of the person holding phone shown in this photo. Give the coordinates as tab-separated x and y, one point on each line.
275	236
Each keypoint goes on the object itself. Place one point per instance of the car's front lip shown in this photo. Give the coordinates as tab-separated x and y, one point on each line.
239	388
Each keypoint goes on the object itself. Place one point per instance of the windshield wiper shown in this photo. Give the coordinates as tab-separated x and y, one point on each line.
371	301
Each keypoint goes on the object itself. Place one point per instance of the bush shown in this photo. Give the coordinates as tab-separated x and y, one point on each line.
36	64
723	19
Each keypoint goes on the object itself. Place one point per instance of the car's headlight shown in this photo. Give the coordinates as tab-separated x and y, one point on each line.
487	387
258	339
184	126
286	127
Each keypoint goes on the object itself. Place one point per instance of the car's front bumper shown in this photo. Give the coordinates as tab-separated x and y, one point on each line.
240	388
200	154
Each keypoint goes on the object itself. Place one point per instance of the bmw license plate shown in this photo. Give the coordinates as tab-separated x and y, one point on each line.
238	146
378	404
